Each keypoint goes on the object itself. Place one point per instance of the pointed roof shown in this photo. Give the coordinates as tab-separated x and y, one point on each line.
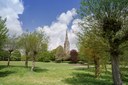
66	38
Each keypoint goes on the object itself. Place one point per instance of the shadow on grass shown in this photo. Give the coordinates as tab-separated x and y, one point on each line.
84	69
88	79
106	77
6	73
2	67
6	70
39	70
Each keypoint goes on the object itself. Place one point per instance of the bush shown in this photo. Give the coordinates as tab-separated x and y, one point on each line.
45	57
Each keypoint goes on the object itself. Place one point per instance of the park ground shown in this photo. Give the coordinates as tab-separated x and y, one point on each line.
53	74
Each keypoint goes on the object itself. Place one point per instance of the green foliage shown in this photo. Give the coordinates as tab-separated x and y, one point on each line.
11	44
33	42
103	8
3	32
109	17
4	55
92	44
16	56
23	42
46	56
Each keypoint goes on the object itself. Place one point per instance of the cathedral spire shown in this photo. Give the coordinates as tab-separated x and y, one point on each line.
66	37
66	44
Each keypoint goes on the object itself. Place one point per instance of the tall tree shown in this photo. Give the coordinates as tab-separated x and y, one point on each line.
3	32
37	40
112	18
33	43
93	47
10	46
24	44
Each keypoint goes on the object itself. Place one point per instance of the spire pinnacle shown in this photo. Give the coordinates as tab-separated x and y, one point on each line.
66	44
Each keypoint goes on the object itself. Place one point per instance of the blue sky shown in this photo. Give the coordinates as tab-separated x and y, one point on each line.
53	17
43	12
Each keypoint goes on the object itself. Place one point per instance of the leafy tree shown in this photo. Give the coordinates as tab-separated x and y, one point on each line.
32	43
83	55
3	33
24	43
73	56
111	17
36	41
10	46
93	47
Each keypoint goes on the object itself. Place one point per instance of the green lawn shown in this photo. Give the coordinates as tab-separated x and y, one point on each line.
51	74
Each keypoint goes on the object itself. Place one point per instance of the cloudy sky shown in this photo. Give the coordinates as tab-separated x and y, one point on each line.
52	16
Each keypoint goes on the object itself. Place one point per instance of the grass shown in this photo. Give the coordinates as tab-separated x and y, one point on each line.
52	74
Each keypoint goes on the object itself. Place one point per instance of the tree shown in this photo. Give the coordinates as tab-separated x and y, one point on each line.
93	47
36	41
3	32
24	43
10	46
111	17
73	56
32	43
3	37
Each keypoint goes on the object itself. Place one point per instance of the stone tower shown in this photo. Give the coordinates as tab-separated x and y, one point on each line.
66	45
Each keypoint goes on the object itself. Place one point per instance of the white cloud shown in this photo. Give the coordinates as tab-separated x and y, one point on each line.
10	9
57	30
73	33
66	18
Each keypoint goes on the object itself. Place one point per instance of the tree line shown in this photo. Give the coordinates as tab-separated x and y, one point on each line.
103	37
30	46
31	43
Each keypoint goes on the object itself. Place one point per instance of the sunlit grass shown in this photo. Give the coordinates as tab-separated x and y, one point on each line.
51	74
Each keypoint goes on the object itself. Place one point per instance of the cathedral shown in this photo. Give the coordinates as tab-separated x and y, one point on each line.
63	52
66	45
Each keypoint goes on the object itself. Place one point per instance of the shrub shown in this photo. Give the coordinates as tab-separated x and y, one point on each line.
45	57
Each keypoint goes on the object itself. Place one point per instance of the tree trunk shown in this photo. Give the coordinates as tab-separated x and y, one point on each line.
97	66
115	70
33	64
9	59
26	60
88	65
